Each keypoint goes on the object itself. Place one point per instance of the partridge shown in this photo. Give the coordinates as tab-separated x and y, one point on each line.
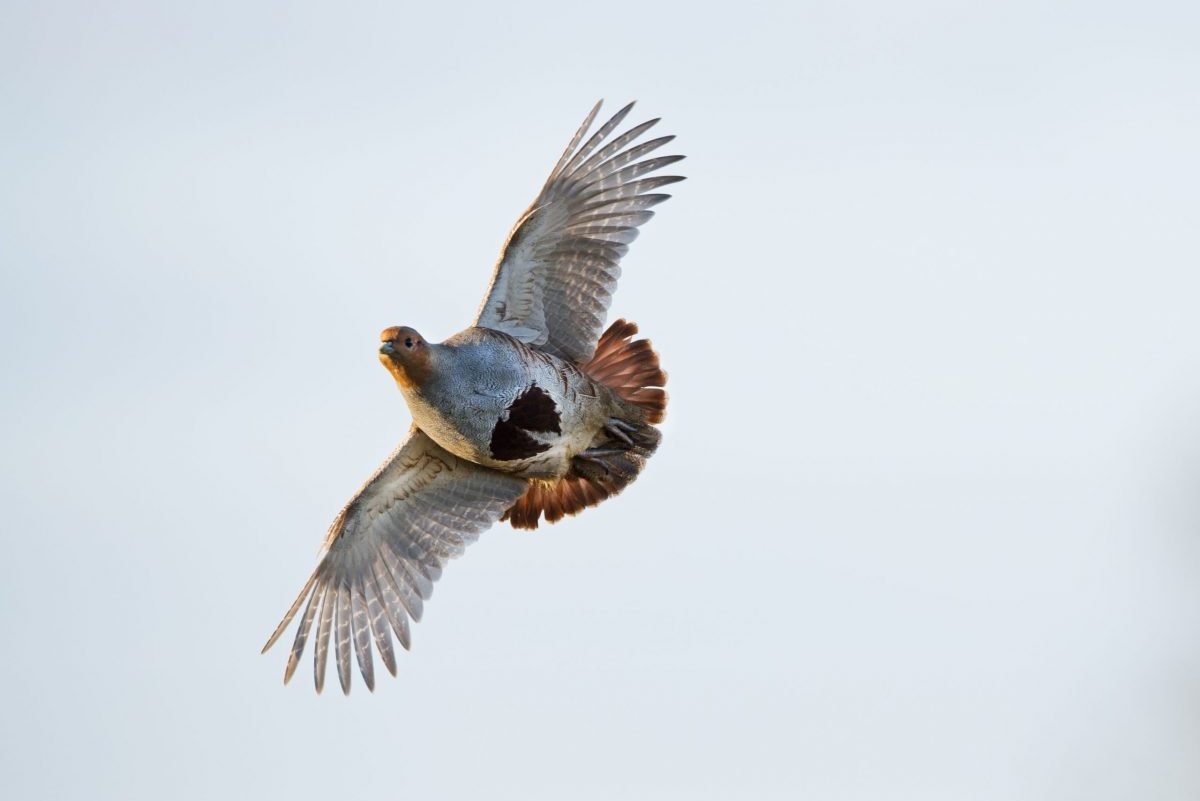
529	414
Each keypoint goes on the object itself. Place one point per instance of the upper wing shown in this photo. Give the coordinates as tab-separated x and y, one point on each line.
386	548
559	268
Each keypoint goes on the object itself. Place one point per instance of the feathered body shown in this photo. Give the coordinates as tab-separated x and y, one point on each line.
494	400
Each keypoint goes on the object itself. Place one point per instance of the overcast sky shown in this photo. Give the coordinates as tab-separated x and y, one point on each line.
926	520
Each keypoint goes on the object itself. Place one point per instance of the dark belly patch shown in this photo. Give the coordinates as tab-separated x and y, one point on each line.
510	443
533	410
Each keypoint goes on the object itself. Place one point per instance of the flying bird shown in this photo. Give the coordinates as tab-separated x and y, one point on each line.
529	414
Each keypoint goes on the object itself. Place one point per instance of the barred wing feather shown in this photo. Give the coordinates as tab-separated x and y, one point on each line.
385	550
555	278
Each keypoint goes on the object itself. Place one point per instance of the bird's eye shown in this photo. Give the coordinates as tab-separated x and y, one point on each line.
408	342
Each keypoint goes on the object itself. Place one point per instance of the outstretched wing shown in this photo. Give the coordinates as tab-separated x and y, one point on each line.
385	550
559	268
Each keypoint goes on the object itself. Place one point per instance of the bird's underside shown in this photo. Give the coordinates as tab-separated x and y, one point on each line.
529	414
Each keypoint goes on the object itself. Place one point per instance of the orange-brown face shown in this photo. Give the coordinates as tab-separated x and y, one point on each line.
405	354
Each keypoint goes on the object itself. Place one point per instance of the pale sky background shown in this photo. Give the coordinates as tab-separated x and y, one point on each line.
926	522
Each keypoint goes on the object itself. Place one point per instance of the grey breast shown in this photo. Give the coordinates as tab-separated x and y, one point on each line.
518	408
479	375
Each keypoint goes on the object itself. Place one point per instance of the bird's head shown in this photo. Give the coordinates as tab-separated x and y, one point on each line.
406	355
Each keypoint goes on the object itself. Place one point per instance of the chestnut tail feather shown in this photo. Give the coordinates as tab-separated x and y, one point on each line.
630	368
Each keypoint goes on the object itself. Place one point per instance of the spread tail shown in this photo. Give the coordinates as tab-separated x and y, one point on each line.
631	370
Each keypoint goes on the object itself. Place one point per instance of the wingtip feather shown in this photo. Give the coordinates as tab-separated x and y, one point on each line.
291	612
